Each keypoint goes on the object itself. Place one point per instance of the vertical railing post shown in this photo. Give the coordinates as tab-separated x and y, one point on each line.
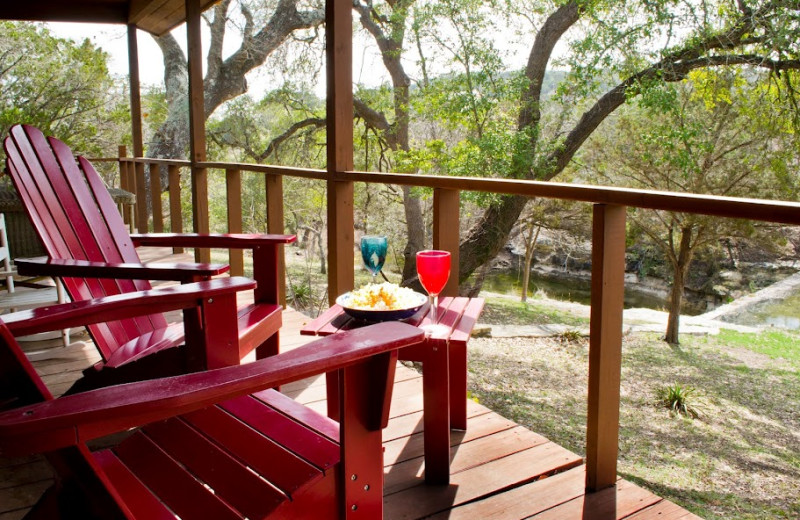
446	224
339	111
275	226
141	198
123	179
197	124
155	196
175	211
605	345
233	194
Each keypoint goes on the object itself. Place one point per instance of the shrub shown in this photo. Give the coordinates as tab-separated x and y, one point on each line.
680	399
570	336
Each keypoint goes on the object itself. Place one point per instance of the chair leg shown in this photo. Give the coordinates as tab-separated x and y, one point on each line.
270	347
62	298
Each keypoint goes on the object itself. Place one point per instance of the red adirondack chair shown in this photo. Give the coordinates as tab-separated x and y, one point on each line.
90	248
204	445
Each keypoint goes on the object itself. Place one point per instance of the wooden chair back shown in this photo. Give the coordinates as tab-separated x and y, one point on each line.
76	218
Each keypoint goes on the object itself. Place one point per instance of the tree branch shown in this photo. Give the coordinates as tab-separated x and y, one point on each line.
376	120
316	122
255	48
217	29
542	50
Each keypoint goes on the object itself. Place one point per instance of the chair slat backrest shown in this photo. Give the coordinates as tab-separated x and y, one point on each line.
76	218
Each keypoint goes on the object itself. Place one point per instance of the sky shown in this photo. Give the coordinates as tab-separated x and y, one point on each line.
113	39
368	68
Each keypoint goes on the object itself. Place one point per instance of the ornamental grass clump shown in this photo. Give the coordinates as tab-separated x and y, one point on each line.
680	400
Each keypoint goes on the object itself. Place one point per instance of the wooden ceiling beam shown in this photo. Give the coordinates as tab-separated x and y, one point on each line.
154	16
139	9
61	11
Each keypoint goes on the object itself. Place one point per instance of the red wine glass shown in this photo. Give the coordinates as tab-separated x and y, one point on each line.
433	267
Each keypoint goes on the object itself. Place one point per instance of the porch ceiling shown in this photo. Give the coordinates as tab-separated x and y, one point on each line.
154	16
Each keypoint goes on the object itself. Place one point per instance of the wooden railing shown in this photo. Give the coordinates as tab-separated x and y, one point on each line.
608	253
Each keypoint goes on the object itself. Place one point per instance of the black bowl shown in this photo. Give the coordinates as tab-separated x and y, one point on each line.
381	315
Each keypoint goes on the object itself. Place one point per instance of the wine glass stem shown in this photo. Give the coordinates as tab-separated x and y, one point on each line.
434	305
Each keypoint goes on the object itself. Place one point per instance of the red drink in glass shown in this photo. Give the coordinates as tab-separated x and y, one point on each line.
433	268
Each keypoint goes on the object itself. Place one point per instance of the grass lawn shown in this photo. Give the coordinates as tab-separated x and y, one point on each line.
740	459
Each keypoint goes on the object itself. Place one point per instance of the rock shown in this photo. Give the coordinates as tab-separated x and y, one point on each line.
482	331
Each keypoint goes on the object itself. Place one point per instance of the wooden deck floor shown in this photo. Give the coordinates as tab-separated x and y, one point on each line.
499	470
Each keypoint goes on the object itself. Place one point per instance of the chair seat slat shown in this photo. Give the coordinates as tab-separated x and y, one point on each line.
273	461
293	435
288	406
181	492
141	502
213	465
257	322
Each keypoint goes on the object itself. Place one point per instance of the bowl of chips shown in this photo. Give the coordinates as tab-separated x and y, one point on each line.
381	302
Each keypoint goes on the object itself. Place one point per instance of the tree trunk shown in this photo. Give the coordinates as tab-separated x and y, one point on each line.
397	134
225	79
530	247
680	264
675	300
489	234
415	228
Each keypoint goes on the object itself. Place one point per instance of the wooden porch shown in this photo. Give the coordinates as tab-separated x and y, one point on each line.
498	469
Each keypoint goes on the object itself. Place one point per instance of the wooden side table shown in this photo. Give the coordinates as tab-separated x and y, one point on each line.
444	373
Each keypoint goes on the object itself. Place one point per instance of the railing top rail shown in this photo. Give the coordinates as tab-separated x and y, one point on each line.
154	160
783	212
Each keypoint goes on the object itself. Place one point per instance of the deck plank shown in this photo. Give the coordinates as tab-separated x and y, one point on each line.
616	502
664	510
523	501
474	483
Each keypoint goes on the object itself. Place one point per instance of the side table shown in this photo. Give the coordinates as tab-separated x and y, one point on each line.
444	373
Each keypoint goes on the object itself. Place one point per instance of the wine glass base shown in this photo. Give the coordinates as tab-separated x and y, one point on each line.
435	330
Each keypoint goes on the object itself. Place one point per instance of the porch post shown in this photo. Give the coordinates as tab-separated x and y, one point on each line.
197	125
136	129
446	224
339	64
605	345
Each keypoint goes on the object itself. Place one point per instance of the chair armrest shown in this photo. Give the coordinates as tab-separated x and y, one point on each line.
84	312
178	271
81	417
266	254
212	240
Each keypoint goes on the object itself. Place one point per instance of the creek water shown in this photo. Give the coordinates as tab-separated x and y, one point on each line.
784	314
510	282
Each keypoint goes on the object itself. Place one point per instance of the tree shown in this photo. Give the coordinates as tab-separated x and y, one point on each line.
644	44
546	214
448	35
225	77
387	24
616	51
719	133
82	108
